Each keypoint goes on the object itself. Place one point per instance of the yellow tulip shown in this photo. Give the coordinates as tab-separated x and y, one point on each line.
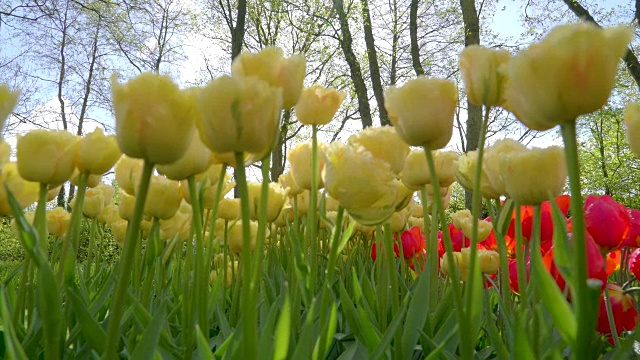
300	157
422	111
47	156
229	209
384	143
97	153
109	214
93	203
482	80
128	173
569	73
465	172
196	160
92	181
493	159
25	192
239	114
463	220
126	205
317	105
179	225
8	101
269	65
277	196
58	220
535	175
234	236
416	172
53	193
287	181
119	231
154	119
163	199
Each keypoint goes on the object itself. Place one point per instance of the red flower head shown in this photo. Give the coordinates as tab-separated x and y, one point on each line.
513	275
634	263
633	238
624	311
413	242
596	267
607	221
458	240
374	251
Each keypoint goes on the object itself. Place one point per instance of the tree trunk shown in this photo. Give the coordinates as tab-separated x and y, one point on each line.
394	46
354	66
413	34
374	68
277	155
630	59
237	36
474	112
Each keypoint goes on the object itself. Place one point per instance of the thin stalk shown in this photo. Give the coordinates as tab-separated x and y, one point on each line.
393	280
262	224
312	222
585	317
73	233
249	314
536	258
124	268
92	245
40	219
612	320
432	253
505	289
214	215
466	345
199	274
521	261
475	208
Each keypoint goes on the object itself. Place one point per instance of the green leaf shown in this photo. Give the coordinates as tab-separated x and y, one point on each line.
393	328
146	348
14	348
89	327
522	348
553	300
416	315
203	345
283	332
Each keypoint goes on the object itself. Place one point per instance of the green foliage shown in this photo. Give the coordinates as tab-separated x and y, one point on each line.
607	164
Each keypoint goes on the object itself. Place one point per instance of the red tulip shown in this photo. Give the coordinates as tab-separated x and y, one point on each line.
607	221
413	242
634	263
396	250
633	238
623	308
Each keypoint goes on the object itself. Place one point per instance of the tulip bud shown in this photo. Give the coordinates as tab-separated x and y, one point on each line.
196	160
163	199
300	157
416	171
569	73
154	119
239	114
126	205
317	105
128	173
493	159
53	193
93	203
8	101
606	221
422	111
47	156
109	214
234	236
465	173
229	209
25	192
92	181
521	174
383	143
275	200
179	225
269	65
479	67
119	231
287	181
623	309
58	220
97	153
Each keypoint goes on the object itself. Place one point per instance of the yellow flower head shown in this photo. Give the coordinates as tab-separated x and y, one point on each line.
492	161
287	181
384	143
229	209
8	101
465	172
58	220
535	175
569	73
239	114
422	111
154	119
483	82
97	153
196	160
163	199
276	198
128	173
234	236
416	171
317	105
269	65
47	156
119	231
300	157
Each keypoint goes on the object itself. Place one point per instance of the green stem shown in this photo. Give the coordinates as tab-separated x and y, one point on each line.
312	223
612	320
214	215
67	261
390	263
200	305
432	252
466	345
40	219
505	289
90	251
124	268
586	317
249	315
476	207
262	224
521	261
